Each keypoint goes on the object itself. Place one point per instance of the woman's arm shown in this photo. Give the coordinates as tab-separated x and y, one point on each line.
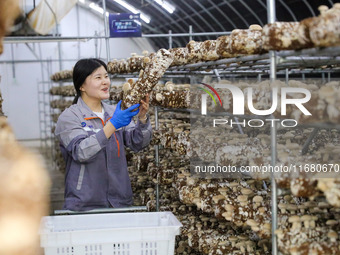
77	142
109	129
138	136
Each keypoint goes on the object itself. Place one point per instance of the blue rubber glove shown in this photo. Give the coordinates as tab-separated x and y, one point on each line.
121	117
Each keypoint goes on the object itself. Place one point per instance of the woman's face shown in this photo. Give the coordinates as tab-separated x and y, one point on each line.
97	84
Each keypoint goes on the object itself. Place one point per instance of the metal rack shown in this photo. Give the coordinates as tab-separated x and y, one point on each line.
294	60
45	121
307	61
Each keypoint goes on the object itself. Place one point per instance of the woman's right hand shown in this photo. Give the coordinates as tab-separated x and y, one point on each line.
123	118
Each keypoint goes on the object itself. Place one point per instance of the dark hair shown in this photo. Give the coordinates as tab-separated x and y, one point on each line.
82	69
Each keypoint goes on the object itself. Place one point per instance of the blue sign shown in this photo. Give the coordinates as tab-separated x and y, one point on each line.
125	25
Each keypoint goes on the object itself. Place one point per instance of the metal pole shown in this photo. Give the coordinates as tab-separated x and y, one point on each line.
156	118
96	45
106	32
309	140
78	30
190	33
42	148
235	118
13	66
43	126
170	39
25	39
259	77
287	76
60	55
217	75
51	135
273	188
271	11
323	78
329	77
34	61
157	159
272	57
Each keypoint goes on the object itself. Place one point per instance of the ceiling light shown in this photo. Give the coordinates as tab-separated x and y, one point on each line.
137	22
97	8
146	18
166	5
82	1
132	9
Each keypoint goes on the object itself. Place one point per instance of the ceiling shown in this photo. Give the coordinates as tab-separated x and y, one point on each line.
213	15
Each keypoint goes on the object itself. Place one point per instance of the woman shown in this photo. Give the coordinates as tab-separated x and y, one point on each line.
92	137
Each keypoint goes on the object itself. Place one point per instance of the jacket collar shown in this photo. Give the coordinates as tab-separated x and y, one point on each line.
88	113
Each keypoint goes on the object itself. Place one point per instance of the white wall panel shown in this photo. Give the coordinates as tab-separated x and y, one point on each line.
20	90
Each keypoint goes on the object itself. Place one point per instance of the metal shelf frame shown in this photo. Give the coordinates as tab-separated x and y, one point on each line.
295	62
261	63
273	63
262	117
271	14
306	61
45	121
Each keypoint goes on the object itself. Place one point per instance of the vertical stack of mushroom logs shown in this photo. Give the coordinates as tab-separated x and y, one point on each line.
149	76
320	213
245	204
65	94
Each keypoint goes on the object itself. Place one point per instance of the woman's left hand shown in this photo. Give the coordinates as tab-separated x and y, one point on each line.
144	108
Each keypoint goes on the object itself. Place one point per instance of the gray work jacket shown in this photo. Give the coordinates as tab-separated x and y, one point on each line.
96	168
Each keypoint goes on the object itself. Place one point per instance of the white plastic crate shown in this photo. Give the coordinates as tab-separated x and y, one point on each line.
149	233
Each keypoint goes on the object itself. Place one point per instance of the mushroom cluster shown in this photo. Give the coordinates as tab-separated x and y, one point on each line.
149	76
171	95
60	104
308	228
65	96
241	207
130	65
244	203
65	91
63	75
331	188
321	31
324	29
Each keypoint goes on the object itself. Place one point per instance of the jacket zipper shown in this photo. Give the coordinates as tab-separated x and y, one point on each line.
118	145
